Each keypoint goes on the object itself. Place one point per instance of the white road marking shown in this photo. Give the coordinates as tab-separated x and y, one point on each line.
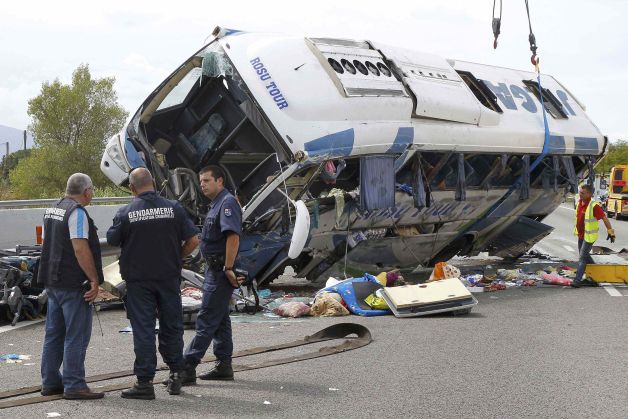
569	248
19	325
611	290
567	208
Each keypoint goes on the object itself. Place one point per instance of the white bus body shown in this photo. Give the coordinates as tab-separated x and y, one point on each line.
457	152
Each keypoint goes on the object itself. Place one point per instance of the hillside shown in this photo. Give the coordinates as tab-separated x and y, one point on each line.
15	137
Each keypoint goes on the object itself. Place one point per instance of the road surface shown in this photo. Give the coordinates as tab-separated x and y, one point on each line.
563	244
532	352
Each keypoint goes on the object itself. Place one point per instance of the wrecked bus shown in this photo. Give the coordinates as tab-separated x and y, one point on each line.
401	158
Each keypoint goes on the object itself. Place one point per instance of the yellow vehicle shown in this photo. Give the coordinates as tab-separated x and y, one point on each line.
617	202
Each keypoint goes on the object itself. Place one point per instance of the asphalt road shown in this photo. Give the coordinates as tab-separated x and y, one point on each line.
534	352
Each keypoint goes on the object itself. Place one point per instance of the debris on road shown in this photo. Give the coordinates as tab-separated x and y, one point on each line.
329	305
292	309
372	295
14	358
20	295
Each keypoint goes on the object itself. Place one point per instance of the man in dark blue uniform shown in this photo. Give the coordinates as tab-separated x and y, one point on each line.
155	234
70	256
220	240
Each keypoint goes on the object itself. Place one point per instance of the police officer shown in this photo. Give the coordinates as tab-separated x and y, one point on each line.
220	240
150	230
70	256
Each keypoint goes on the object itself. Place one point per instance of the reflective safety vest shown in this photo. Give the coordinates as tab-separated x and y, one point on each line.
591	224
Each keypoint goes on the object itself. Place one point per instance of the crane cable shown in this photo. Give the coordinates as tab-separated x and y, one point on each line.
497	22
532	40
534	59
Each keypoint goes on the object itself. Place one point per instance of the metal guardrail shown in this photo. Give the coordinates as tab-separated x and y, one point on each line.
34	250
29	203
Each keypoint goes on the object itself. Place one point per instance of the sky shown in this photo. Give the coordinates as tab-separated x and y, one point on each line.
583	43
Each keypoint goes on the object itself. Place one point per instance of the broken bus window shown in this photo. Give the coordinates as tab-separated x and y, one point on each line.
551	103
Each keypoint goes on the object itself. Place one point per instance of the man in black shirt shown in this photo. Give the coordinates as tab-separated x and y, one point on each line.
70	256
150	231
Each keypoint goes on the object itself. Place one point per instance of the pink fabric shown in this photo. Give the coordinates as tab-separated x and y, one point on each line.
330	168
555	279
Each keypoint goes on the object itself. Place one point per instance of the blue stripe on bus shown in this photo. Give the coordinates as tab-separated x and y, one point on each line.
557	144
338	144
586	145
405	137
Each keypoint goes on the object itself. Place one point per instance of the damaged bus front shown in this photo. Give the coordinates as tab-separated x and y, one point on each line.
399	158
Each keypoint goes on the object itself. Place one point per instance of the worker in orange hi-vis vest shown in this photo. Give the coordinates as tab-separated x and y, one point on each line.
588	214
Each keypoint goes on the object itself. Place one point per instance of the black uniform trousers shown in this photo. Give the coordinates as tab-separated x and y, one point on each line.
146	301
213	324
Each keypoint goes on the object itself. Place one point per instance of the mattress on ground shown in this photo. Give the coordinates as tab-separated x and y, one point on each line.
430	293
447	295
455	306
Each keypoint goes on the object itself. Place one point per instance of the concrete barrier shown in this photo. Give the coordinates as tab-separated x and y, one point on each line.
17	226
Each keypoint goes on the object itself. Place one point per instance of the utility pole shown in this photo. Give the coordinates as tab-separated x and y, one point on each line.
24	139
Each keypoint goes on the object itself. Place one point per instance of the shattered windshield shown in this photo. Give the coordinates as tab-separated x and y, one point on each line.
180	92
212	63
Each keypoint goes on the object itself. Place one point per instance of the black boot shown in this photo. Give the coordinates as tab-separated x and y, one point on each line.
187	377
221	371
174	384
140	390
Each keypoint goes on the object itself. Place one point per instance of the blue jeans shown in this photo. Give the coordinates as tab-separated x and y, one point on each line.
213	322
146	300
585	258
68	330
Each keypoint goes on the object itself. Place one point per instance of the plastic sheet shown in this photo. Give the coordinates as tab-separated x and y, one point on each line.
421	199
461	186
556	171
377	182
293	309
525	178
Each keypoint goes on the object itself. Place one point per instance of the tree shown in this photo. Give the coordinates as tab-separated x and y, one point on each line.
70	126
617	154
10	162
